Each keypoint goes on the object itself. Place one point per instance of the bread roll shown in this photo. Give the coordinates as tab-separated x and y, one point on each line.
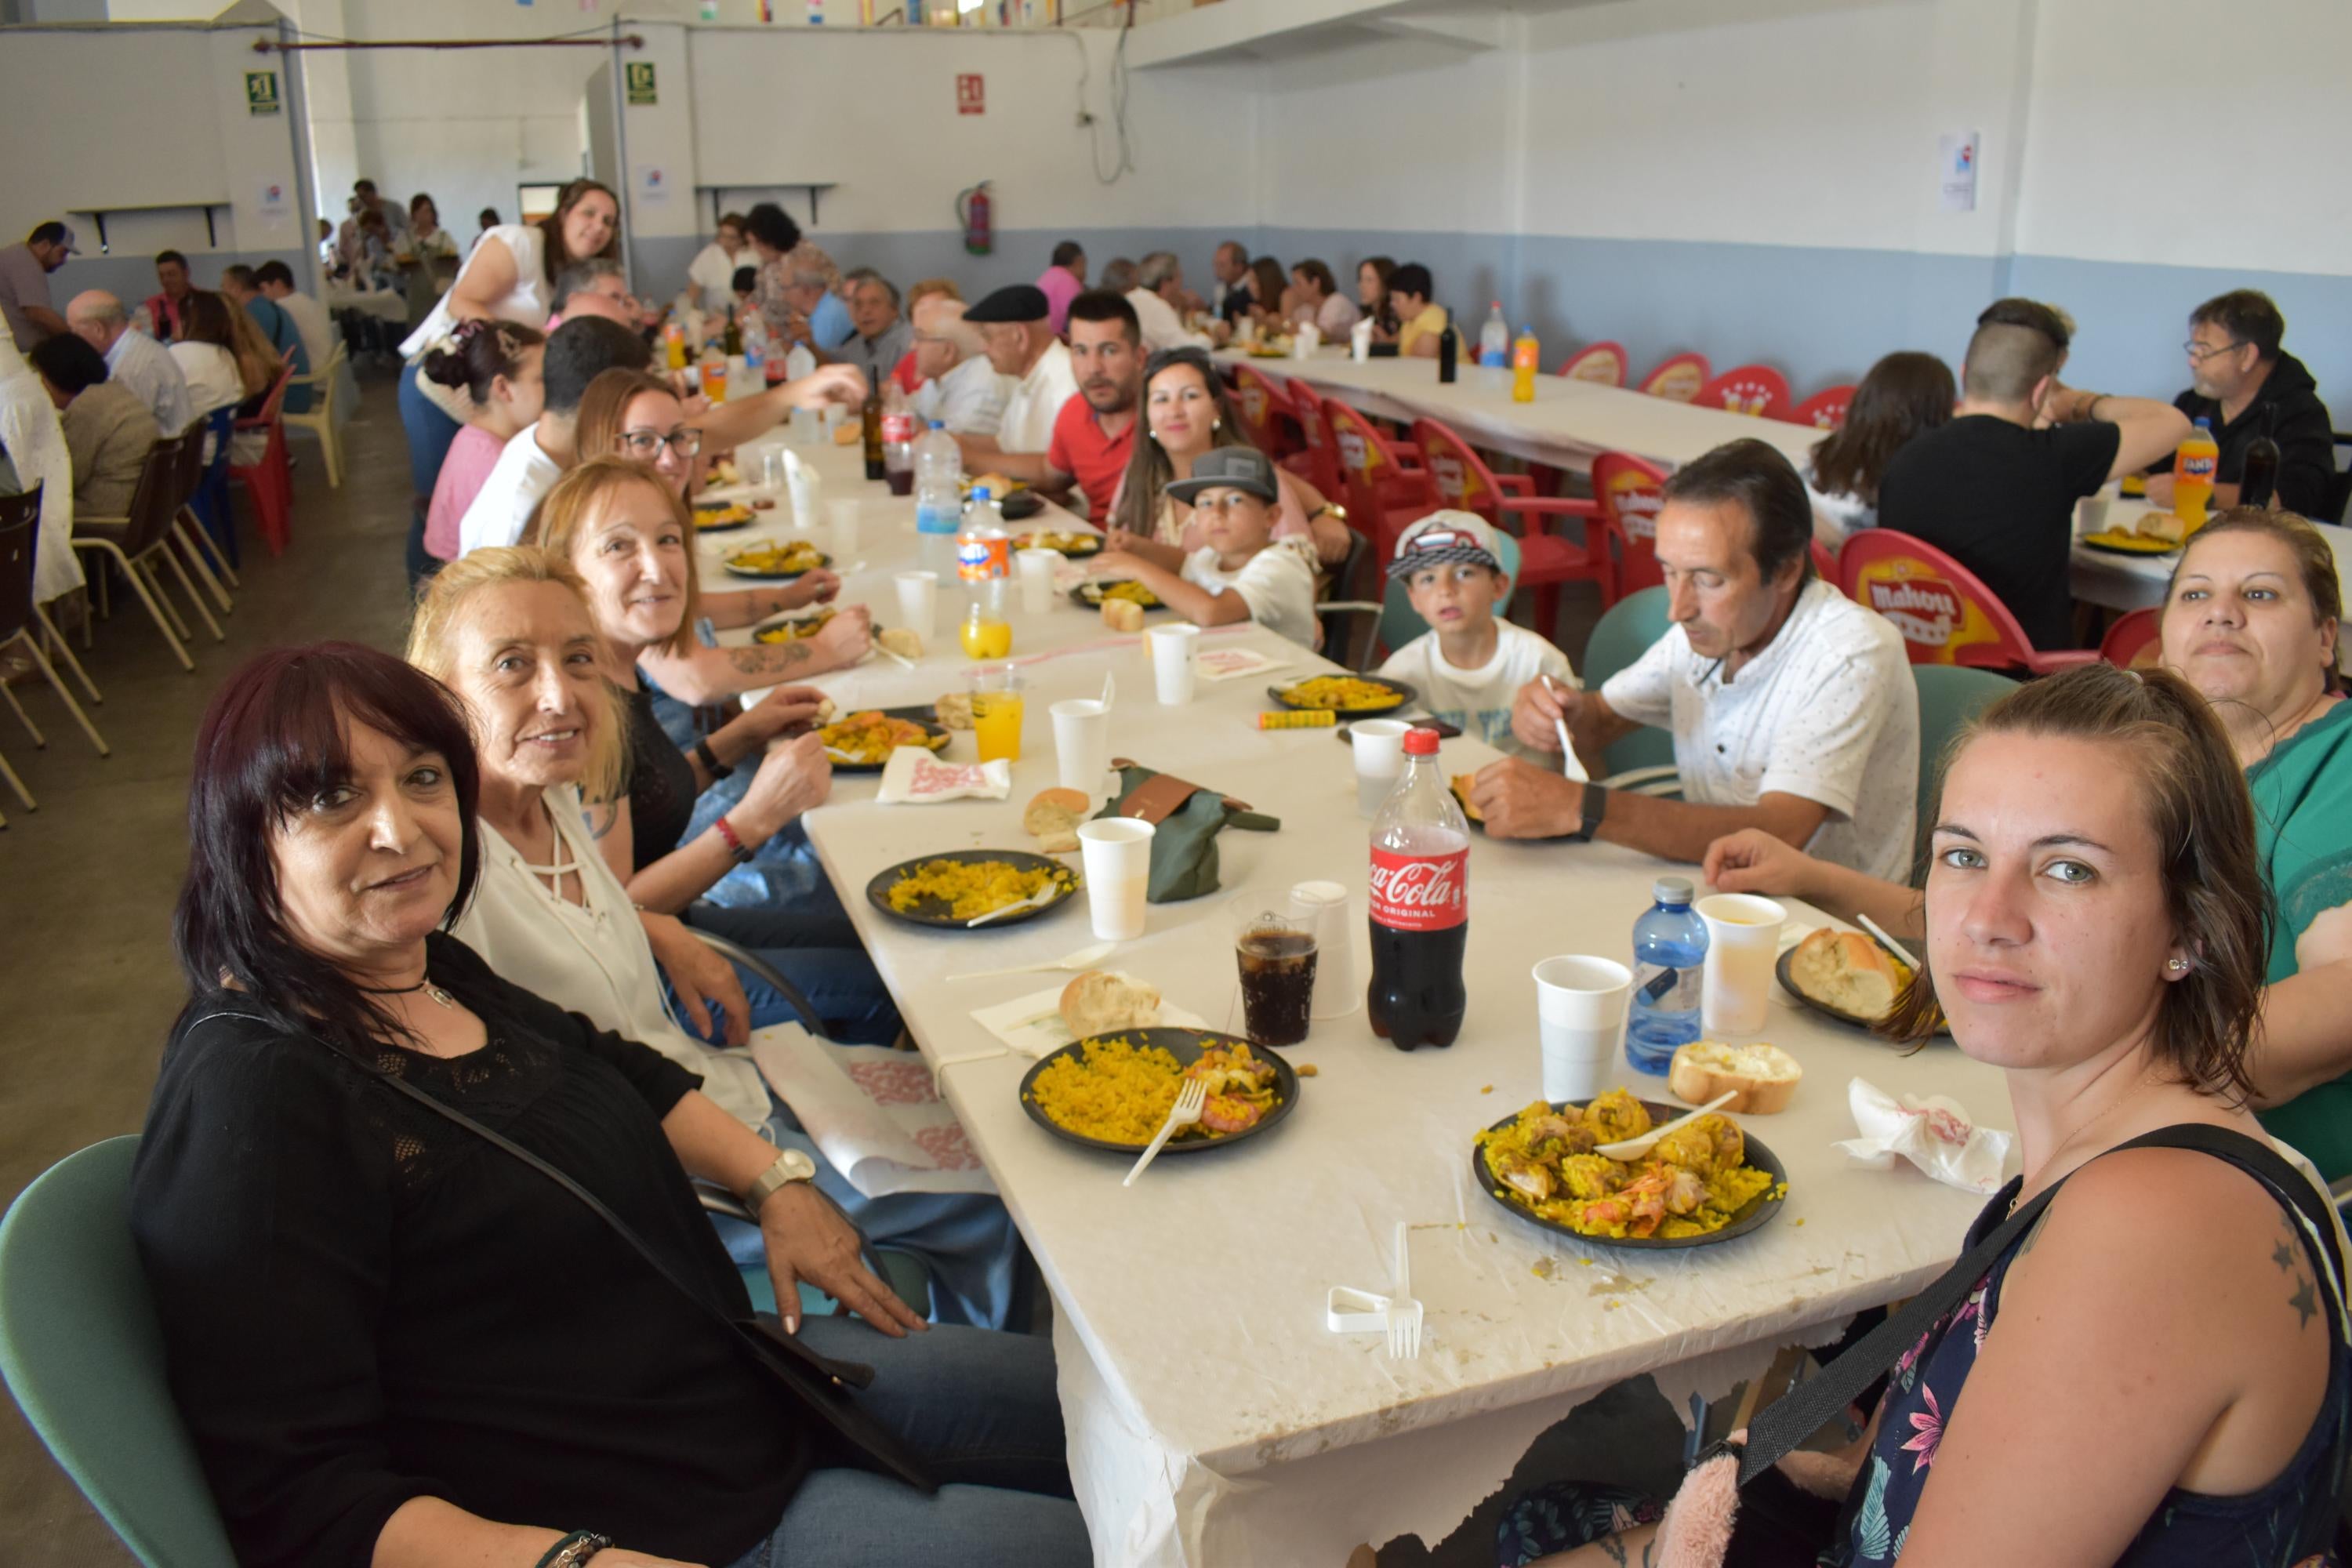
1847	970
1122	614
954	710
900	641
1764	1076
1054	817
1104	1002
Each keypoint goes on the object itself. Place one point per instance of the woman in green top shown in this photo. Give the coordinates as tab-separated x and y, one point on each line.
2250	619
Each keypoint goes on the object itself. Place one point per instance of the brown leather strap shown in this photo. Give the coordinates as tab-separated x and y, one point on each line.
1162	795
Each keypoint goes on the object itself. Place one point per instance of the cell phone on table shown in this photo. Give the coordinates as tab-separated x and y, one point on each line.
1445	732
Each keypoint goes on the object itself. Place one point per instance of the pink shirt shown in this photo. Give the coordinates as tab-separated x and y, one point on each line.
1059	287
471	457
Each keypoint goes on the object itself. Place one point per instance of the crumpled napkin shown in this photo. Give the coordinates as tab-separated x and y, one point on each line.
913	776
1934	1133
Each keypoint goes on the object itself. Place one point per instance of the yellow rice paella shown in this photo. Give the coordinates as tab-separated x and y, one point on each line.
1118	1093
1691	1183
970	887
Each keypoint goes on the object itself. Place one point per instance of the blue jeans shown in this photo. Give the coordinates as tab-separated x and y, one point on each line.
979	1409
430	432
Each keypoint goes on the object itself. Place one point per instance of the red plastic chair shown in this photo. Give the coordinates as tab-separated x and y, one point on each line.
1603	364
1824	410
1629	492
1945	612
1757	390
1318	460
1463	480
1386	485
2130	641
1264	407
1824	564
270	481
1679	380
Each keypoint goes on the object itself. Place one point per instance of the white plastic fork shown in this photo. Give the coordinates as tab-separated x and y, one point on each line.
1403	1311
1190	1099
1042	895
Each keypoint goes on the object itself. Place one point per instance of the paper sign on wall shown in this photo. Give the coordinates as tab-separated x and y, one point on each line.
271	198
651	183
639	75
972	94
1956	170
261	93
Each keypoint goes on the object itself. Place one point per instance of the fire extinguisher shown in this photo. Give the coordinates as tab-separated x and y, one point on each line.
971	210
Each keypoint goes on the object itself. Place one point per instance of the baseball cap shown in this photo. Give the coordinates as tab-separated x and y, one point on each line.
1020	302
1446	538
1242	469
58	234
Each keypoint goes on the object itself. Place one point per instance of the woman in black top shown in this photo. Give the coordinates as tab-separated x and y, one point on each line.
396	1343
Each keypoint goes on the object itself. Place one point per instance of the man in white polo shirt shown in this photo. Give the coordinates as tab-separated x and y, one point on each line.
1022	345
1791	706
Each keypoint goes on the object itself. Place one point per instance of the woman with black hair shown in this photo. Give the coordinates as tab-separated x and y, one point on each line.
497	364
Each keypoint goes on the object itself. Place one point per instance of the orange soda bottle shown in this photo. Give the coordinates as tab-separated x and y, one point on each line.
1523	366
2192	476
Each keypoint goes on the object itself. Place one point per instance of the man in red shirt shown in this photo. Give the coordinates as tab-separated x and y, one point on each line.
1094	432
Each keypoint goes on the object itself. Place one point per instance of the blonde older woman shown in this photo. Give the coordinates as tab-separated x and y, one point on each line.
509	631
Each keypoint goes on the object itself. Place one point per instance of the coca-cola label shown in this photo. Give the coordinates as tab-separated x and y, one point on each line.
897	426
1420	892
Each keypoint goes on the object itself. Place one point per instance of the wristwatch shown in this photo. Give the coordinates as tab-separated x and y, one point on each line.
710	758
1596	806
791	1166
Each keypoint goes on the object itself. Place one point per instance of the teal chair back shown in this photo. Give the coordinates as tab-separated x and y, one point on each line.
1400	625
82	1351
1624	634
1950	696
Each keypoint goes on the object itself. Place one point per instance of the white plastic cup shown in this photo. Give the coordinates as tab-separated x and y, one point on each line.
1036	570
1360	342
1743	938
739	379
1325	906
918	603
843	515
807	487
772	468
1081	744
1379	746
1117	854
1172	648
1580	1020
831	416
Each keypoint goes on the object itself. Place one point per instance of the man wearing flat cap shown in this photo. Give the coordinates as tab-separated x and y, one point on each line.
1015	323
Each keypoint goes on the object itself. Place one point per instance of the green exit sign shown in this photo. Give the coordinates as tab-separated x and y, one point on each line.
641	83
261	93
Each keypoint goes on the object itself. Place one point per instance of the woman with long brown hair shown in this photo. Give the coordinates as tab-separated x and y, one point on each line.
1372	275
1905	394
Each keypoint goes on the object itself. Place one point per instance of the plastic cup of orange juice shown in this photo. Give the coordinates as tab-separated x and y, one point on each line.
995	711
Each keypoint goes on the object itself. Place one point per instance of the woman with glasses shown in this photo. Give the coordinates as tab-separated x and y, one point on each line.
634	415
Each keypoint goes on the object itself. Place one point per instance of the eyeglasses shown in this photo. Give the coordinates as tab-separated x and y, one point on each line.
2199	354
648	443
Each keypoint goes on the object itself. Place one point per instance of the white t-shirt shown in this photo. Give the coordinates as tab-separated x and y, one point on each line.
1161	327
525	304
316	327
35	441
1278	583
1036	402
520	478
1837	514
1478	702
1827	711
714	270
968	400
592	959
210	372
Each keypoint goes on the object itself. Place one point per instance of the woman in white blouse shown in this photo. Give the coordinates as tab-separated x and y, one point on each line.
511	276
509	631
1316	298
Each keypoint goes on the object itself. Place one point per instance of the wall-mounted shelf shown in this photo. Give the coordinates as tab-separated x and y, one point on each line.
718	194
100	214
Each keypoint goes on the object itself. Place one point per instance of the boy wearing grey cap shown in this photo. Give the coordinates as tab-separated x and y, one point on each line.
1244	573
1469	664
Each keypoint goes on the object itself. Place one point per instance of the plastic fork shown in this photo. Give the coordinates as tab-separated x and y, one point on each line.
1403	1311
1042	895
1190	1099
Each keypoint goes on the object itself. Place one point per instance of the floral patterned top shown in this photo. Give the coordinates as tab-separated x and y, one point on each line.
2286	1524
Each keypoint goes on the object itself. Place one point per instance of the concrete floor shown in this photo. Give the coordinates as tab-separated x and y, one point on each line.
87	982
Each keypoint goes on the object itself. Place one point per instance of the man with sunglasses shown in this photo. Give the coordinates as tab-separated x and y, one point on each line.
2245	384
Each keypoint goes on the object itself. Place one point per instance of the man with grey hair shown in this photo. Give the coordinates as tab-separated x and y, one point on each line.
1159	284
960	387
142	366
819	318
595	287
1229	262
879	338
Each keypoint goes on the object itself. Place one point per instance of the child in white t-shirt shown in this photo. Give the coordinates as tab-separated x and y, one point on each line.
1469	663
1244	573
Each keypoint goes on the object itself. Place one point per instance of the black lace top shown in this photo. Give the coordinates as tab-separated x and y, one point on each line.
661	783
363	1302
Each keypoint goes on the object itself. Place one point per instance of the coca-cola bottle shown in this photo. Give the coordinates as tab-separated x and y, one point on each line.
897	440
1421	905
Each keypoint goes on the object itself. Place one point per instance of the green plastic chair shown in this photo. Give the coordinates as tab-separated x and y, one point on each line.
1624	634
82	1351
1950	695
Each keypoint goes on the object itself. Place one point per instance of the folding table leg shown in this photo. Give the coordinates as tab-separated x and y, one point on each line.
204	570
24	718
63	649
18	785
163	550
72	707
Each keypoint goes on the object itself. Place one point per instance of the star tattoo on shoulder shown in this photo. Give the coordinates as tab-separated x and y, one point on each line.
2305	1301
2282	1255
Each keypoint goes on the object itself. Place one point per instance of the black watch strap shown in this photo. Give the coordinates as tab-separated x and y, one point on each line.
1596	806
710	762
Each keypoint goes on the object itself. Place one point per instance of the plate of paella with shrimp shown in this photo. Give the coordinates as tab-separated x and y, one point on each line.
1704	1183
1113	1091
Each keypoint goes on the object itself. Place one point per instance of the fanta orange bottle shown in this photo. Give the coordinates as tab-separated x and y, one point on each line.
2192	476
1523	366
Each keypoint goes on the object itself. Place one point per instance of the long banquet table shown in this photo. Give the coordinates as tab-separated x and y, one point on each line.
1213	1418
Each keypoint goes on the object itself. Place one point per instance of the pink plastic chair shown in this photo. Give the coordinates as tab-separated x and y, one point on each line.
1603	364
1945	612
1824	410
1679	380
1462	479
1756	390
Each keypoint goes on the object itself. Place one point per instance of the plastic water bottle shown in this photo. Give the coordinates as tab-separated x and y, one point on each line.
1495	339
939	483
1669	945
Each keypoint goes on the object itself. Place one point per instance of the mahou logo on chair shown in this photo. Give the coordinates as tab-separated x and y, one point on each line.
1926	610
1414	892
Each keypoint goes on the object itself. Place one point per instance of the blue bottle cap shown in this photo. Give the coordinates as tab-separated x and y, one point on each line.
2204	424
1672	890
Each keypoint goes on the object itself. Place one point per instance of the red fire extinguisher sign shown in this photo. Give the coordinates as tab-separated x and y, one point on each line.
971	95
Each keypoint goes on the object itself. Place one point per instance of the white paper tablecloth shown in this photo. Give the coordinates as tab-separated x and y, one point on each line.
1213	1418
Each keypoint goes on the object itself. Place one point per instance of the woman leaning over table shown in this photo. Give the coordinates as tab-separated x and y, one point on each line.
499	365
625	534
509	632
2156	1375
2249	620
1186	411
508	277
398	1346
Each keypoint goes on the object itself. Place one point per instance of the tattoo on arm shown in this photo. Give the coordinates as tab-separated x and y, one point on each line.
2288	1256
768	658
602	817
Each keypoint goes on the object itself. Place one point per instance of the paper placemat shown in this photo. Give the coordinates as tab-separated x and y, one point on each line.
1032	1026
874	1113
1227	663
913	776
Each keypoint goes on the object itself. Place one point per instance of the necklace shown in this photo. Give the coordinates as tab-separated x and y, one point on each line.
424	985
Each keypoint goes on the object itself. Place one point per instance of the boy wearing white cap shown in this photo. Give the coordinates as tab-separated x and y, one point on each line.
1468	664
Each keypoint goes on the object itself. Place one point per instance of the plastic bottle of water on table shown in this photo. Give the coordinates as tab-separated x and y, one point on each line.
939	481
2193	467
1495	339
1669	947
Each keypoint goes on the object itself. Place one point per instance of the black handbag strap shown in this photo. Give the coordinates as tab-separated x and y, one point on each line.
1805	1409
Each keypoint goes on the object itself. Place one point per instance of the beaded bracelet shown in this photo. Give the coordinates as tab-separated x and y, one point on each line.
574	1549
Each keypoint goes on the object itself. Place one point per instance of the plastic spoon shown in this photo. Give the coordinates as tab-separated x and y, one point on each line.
1627	1149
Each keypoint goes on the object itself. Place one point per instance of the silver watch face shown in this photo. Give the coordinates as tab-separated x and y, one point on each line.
796	1165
